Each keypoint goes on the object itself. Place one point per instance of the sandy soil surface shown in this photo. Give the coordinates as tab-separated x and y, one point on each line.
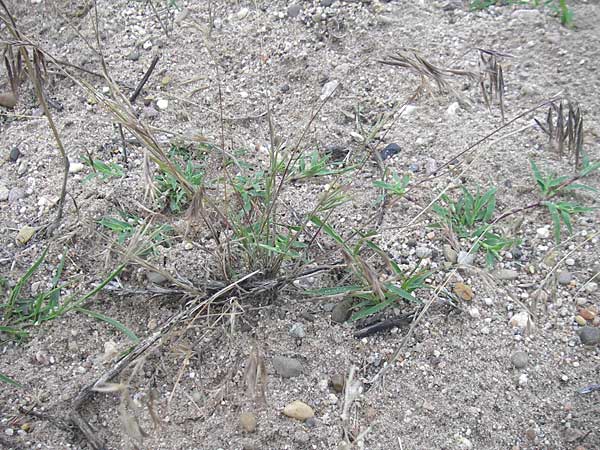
470	375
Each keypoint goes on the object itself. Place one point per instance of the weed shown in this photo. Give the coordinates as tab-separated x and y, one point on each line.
173	193
103	170
315	165
566	130
470	217
21	312
551	186
396	186
129	224
558	7
374	295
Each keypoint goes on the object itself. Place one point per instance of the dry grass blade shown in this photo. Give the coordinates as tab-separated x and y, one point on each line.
565	132
255	376
492	72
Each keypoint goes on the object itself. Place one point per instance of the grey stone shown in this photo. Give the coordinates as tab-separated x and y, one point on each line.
519	360
16	194
449	253
293	10
465	258
326	3
14	154
506	274
297	331
287	367
3	193
589	335
423	252
133	56
564	277
156	278
341	311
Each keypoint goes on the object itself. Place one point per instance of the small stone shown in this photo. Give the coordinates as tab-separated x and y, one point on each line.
389	151
328	89
156	277
9	431
587	314
165	81
8	100
287	367
25	234
570	262
519	360
449	253
338	382
3	193
297	331
326	3
293	10
465	258
530	434
162	104
580	320
147	45
133	56
248	422
242	13
14	154
341	311
506	274
298	410
543	233
453	109
76	167
463	291
423	252
520	320
523	379
431	166
564	277
474	313
111	351
591	287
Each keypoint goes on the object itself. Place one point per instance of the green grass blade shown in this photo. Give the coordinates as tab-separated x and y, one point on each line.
115	323
8	380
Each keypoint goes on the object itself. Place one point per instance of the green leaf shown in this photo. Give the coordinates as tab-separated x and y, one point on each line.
8	380
400	292
372	310
115	323
554	214
325	292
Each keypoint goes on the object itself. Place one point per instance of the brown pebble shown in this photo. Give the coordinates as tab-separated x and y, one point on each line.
530	434
587	314
464	291
338	382
248	421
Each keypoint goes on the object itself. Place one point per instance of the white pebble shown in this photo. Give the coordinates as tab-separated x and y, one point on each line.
523	379
75	167
162	104
570	262
543	233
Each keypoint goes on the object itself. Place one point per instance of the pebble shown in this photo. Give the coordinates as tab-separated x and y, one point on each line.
506	274
76	167
25	234
3	193
449	253
389	151
474	313
423	252
149	112
570	262
162	104
520	320
248	422
242	13
133	56
298	410
9	431
589	335
14	154
287	367
293	10
156	277
328	89
338	382
463	291
341	311
564	277
8	99
297	331
519	360
580	320
587	314
453	109
326	3
523	379
465	258
431	166
591	287
147	45
543	233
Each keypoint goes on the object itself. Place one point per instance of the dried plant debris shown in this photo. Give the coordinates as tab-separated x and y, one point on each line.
564	127
256	376
428	72
491	78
